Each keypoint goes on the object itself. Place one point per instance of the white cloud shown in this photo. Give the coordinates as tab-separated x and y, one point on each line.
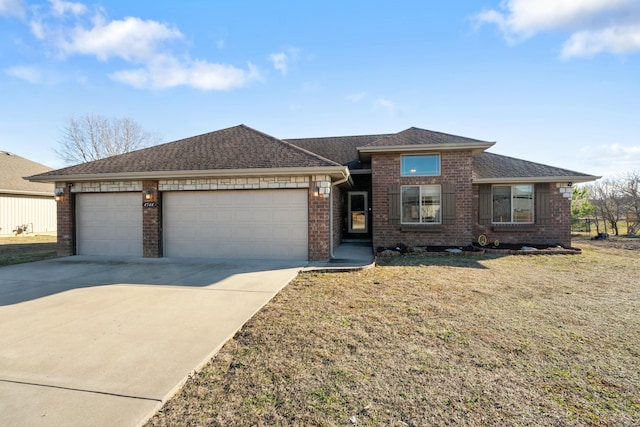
612	157
149	47
12	8
619	40
283	60
167	72
595	26
387	105
30	74
131	39
279	61
61	8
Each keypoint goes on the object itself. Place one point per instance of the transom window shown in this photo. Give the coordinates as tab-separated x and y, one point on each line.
420	204
512	203
421	165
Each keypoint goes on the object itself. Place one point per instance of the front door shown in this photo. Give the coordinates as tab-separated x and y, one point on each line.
358	212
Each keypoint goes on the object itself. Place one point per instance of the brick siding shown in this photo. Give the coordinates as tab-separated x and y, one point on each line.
557	231
151	220
456	169
319	218
65	208
318	213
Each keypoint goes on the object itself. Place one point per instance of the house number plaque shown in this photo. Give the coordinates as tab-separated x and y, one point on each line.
149	204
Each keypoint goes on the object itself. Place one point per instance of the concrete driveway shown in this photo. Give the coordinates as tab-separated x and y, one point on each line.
104	341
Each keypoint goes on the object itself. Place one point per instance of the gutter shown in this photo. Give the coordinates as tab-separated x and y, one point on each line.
535	179
27	193
335	171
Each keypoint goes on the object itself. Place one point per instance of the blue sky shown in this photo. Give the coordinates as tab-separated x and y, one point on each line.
551	81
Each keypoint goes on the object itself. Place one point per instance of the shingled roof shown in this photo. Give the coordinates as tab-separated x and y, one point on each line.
495	168
235	148
413	137
14	168
340	149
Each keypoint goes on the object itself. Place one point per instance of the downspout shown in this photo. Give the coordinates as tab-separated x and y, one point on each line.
334	184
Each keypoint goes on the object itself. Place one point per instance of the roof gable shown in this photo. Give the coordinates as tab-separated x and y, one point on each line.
417	136
14	168
495	168
239	147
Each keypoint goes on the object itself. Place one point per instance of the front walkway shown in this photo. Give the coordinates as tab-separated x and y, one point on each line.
348	256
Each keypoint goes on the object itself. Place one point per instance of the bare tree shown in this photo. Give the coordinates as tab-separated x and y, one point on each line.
630	189
606	197
92	137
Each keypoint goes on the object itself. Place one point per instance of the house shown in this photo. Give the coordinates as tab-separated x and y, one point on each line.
239	193
24	206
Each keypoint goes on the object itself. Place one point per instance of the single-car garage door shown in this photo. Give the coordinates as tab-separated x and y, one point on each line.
109	224
266	224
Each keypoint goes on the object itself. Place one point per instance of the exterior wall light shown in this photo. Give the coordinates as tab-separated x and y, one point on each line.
316	191
149	194
59	194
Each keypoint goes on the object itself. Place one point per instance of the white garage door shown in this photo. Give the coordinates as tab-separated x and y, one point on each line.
261	224
109	224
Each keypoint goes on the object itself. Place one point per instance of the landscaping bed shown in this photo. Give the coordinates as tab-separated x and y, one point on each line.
531	249
476	250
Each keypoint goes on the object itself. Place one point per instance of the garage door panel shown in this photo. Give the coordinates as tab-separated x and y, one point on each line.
109	224
237	224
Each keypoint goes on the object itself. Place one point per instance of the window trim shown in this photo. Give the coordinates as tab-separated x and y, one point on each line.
420	223
439	165
511	187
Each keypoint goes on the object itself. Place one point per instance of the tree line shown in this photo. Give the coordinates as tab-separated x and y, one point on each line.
610	201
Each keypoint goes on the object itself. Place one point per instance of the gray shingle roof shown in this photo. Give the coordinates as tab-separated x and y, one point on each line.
340	149
239	147
417	136
244	148
14	168
490	166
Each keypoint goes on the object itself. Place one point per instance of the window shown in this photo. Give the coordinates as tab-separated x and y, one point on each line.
512	203
422	165
420	204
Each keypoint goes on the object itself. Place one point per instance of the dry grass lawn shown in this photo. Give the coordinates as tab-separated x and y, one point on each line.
517	340
28	248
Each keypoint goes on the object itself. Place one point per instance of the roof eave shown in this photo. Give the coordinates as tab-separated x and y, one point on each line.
336	172
27	193
534	179
422	148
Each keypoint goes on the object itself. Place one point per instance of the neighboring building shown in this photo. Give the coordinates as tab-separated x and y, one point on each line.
24	206
239	193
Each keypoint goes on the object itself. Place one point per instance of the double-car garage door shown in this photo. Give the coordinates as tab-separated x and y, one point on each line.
269	224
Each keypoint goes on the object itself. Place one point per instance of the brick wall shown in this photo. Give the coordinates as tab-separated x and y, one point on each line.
65	208
319	228
151	220
557	230
319	218
456	169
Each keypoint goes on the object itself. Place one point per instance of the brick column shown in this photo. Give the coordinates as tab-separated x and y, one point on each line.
318	222
151	220
66	227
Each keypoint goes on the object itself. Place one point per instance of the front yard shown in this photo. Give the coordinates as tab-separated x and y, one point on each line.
26	248
491	340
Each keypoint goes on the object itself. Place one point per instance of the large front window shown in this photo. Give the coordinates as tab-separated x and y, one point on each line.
421	165
420	204
512	203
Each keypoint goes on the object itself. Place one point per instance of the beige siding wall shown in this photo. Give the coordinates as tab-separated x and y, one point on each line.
17	210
